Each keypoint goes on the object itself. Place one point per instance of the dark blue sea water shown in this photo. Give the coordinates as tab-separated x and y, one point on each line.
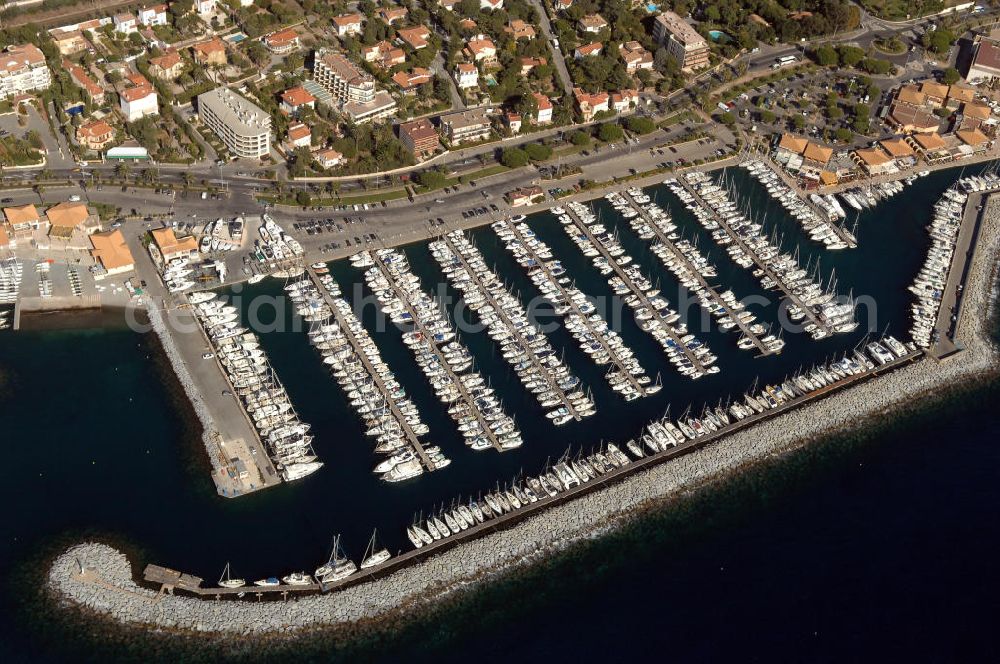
873	546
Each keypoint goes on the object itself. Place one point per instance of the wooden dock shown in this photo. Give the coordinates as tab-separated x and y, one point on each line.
806	309
540	370
616	361
466	396
345	326
635	290
708	288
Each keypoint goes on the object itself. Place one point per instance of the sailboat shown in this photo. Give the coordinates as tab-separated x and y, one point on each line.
337	567
225	581
373	557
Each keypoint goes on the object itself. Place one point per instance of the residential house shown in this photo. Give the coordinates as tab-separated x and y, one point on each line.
416	37
562	5
635	56
587	50
139	99
328	158
95	135
482	50
527	64
293	100
153	15
591	104
410	81
624	101
166	67
591	24
69	42
448	5
348	24
899	150
126	24
976	140
513	122
299	136
419	137
491	4
211	52
282	41
111	252
544	114
80	76
518	29
204	7
391	15
466	75
67	218
383	54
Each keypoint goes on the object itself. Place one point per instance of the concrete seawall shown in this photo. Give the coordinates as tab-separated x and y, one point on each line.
106	585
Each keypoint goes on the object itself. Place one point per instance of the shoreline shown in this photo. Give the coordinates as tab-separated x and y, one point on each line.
108	589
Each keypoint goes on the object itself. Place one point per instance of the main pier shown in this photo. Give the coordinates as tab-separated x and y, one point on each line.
456	380
501	311
635	290
542	265
345	326
708	288
806	309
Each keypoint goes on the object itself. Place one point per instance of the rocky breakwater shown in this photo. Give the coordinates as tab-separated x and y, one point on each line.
187	383
105	585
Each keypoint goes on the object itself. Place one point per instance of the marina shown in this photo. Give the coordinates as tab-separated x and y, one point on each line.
746	244
446	363
524	345
822	228
692	270
653	314
603	345
355	362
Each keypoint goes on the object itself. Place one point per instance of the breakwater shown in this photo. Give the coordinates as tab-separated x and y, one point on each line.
108	587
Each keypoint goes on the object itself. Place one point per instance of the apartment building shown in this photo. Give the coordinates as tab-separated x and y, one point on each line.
244	127
687	48
352	88
22	69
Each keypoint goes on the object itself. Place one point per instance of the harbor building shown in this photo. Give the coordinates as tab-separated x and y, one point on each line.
110	251
688	48
166	246
352	88
23	69
24	219
67	218
244	127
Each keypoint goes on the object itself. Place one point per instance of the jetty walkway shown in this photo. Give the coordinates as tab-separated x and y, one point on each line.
345	325
540	371
806	309
418	323
612	353
710	290
638	292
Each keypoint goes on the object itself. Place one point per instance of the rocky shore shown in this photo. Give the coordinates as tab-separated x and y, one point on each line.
106	586
204	415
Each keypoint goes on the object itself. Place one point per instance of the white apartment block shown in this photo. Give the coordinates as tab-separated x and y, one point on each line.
22	69
243	126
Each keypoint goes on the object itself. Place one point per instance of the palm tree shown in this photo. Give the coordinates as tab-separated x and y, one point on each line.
122	169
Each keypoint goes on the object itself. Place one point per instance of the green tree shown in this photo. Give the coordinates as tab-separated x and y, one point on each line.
938	41
843	135
640	125
580	138
514	158
850	55
431	179
610	131
302	197
826	56
537	151
950	76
